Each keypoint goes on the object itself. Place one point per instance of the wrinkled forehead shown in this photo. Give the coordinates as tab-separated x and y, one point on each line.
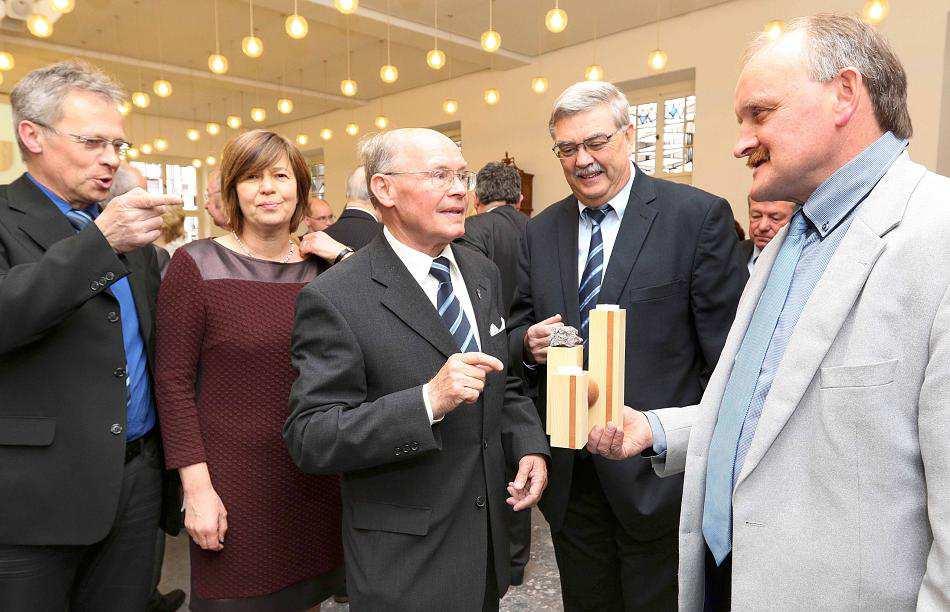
773	69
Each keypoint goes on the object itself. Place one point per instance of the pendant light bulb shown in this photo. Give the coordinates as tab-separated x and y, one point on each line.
258	114
555	20
594	72
162	88
217	63
326	133
491	96
160	144
348	87
285	106
296	26
347	7
132	153
147	148
539	84
192	134
302	139
435	59
141	99
6	61
657	59
39	25
213	128
381	122
196	163
210	160
774	29
450	106
875	11
491	41
352	129
252	46
233	121
124	108
388	73
63	6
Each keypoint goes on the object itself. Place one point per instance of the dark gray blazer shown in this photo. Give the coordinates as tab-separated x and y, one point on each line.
355	228
418	499
497	235
62	393
677	270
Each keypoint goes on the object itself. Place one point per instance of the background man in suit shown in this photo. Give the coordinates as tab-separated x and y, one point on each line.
319	215
818	463
359	222
668	254
420	430
496	232
765	221
81	478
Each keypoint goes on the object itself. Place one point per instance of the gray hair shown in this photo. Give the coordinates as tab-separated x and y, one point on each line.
126	179
38	97
835	42
587	95
498	182
356	190
377	153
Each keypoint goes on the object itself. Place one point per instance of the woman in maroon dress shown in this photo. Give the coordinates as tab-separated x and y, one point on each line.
264	535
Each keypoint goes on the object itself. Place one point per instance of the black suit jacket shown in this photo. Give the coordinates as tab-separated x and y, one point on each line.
418	499
497	235
62	393
677	270
355	228
747	246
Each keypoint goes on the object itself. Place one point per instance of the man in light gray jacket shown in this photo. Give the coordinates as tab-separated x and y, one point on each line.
818	461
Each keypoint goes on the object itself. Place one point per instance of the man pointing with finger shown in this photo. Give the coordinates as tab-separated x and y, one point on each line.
402	353
80	466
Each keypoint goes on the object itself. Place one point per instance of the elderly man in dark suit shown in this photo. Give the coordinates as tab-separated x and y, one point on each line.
80	466
402	354
359	222
766	219
668	254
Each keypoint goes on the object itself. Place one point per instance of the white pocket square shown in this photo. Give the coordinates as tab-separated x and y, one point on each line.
494	330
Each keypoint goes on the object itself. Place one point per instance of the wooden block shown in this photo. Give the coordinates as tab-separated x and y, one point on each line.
560	356
606	360
567	395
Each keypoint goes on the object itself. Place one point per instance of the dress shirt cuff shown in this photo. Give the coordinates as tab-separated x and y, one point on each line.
425	400
659	435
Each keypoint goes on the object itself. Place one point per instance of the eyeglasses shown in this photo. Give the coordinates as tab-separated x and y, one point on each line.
597	142
92	144
443	178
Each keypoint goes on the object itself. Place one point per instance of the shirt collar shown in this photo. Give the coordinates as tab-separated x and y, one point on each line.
620	199
92	210
417	262
841	192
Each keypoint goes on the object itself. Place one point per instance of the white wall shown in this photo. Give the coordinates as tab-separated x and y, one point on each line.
709	41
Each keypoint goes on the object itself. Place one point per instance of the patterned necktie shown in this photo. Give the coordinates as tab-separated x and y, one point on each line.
589	288
450	309
734	413
79	219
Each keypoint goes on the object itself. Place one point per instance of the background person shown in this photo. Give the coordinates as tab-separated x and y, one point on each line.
264	535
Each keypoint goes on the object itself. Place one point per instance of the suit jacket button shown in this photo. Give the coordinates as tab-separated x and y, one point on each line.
119	372
415	446
113	316
398	451
479	502
484	443
110	276
116	429
94	285
102	281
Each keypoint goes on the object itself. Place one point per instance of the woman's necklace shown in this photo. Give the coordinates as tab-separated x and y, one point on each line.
247	251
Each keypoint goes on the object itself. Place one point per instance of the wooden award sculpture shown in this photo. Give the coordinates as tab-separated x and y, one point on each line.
571	389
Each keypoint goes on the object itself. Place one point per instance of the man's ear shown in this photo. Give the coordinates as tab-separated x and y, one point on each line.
848	89
384	189
29	135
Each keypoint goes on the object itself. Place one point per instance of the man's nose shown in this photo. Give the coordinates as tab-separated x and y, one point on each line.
746	143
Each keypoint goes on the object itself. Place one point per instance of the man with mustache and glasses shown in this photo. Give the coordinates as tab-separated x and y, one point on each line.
668	254
818	462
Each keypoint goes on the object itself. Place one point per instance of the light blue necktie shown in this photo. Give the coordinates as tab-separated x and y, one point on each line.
450	309
79	219
589	288
734	408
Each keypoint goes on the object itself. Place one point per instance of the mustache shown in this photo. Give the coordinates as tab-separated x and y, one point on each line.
757	157
591	167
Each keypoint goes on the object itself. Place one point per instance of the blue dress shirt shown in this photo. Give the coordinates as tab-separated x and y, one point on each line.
140	407
829	211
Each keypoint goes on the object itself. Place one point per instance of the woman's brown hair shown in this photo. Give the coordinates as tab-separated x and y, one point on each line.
250	153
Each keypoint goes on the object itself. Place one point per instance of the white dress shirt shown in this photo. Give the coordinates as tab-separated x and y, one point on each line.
756	251
608	228
419	264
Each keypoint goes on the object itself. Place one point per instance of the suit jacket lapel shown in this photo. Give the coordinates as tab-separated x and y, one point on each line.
405	298
41	220
567	227
831	302
634	227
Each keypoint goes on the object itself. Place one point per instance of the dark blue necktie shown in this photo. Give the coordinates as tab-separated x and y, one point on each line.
79	219
589	288
450	309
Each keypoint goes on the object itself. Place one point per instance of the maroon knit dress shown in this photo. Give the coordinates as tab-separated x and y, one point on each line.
223	380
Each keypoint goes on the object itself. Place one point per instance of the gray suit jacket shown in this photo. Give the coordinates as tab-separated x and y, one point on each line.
844	498
420	501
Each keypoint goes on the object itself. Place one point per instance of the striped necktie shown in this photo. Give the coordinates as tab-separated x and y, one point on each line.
589	288
726	449
450	309
79	219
